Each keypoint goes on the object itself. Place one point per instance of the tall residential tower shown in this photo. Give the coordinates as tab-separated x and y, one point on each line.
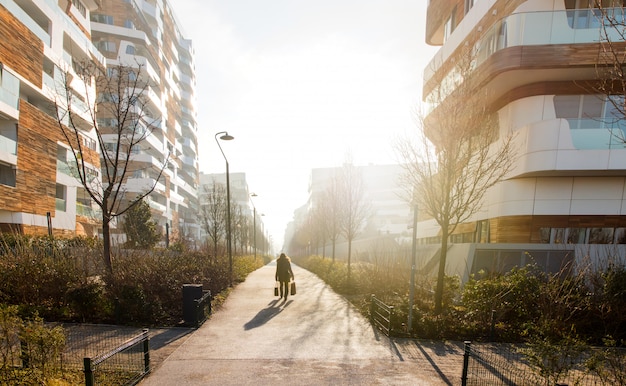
146	33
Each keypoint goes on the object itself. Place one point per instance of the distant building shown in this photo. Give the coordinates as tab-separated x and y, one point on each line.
386	225
241	204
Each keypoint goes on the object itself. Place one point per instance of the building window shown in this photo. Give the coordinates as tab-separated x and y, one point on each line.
450	25
583	235
106	46
469	4
7	175
99	18
80	7
620	235
595	121
482	232
601	236
576	235
129	24
61	198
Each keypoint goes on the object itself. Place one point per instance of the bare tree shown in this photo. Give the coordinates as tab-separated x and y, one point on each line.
354	209
319	219
239	227
213	213
122	122
332	199
458	156
611	62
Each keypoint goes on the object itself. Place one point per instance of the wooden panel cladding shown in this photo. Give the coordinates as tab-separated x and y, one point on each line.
510	229
529	58
546	88
36	161
526	229
20	49
38	135
43	231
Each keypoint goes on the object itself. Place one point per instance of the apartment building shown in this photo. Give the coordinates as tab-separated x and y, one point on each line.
146	34
565	199
40	40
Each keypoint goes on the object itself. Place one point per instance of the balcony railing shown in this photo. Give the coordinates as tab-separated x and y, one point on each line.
528	29
596	134
9	88
88	211
8	145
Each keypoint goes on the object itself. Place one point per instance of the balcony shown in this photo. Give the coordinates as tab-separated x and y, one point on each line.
554	28
8	145
27	20
88	211
9	93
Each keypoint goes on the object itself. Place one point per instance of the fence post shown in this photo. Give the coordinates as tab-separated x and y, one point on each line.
89	379
466	355
146	352
372	306
391	314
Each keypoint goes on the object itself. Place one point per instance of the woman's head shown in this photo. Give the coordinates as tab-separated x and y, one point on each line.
282	256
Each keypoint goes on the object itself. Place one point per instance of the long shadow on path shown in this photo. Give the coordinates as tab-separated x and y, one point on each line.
265	315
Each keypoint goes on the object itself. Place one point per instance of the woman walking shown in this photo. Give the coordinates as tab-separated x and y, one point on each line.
283	274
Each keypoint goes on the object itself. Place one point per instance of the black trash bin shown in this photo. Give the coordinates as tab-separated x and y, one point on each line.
191	293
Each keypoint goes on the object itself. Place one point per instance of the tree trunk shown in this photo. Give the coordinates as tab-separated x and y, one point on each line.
442	269
349	258
106	240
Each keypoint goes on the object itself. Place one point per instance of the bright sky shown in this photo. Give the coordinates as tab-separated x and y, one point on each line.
302	84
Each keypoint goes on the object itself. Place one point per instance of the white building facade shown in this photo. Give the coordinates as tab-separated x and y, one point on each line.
566	198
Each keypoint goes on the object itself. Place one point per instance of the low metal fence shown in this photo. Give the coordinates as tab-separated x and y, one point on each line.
99	354
508	365
381	315
124	365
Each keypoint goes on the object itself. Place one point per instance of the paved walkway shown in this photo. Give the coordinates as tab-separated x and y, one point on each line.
314	338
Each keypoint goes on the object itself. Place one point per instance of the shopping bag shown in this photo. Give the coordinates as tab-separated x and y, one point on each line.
293	287
276	289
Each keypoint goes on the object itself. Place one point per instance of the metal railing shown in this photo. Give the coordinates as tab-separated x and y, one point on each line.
203	308
381	315
126	364
509	365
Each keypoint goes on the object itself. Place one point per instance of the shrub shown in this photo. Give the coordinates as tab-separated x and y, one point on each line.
504	302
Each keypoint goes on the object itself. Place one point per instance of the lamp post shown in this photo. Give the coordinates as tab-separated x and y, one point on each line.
226	137
413	256
254	223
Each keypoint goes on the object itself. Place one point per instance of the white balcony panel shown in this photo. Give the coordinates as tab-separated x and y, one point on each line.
598	188
596	207
551	207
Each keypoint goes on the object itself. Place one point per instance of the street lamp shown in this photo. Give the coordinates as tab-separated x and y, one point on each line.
254	223
226	137
413	256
